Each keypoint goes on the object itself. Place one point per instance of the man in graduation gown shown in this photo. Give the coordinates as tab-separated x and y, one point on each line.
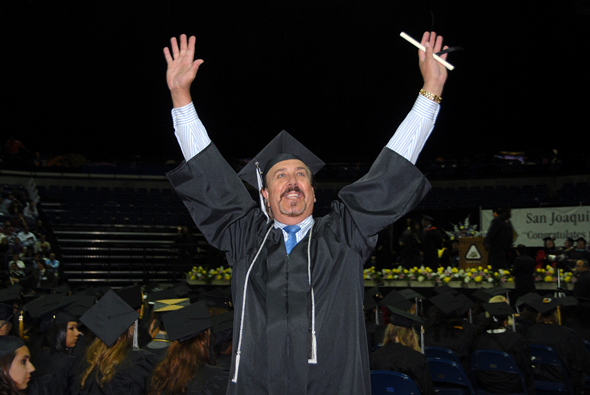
298	293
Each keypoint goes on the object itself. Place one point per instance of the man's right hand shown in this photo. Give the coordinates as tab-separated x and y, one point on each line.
182	69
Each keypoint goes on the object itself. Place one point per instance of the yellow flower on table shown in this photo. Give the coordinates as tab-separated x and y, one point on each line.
548	279
478	279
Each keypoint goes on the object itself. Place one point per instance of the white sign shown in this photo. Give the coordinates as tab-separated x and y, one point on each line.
534	224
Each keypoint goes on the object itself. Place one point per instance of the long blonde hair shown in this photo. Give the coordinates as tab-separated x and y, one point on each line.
405	336
104	361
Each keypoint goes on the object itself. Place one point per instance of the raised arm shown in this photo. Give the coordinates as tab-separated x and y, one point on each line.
182	69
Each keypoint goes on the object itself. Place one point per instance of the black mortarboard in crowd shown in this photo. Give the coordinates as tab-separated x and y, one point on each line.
132	296
482	294
109	318
441	289
80	304
401	318
222	322
528	300
397	300
10	294
500	309
581	239
217	298
46	304
409	293
447	303
6	312
9	344
545	305
466	303
188	322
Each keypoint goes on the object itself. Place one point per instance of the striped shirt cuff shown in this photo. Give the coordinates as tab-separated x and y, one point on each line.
189	130
411	135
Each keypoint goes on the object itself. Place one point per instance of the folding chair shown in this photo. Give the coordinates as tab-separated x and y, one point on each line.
386	382
452	375
493	360
544	355
442	353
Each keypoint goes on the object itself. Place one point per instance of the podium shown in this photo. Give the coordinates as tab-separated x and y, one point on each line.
472	253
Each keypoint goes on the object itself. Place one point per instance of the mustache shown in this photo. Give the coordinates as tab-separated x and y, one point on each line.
293	188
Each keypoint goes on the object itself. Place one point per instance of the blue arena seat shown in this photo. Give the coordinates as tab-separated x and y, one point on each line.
386	382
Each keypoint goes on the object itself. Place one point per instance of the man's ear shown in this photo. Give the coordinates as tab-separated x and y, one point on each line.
313	191
264	192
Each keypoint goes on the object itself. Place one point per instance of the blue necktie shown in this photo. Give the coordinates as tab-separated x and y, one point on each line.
292	240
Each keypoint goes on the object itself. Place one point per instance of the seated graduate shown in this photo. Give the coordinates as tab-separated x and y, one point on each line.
187	368
52	345
160	343
401	351
15	365
449	330
493	335
113	363
568	345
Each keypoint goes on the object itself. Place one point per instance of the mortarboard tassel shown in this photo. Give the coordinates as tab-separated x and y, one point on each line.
259	180
135	342
21	325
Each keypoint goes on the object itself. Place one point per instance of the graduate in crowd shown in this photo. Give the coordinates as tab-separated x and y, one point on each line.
15	365
401	351
297	280
53	345
494	335
112	363
187	367
563	340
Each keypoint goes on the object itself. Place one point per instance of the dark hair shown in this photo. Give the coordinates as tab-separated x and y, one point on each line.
183	362
7	384
521	249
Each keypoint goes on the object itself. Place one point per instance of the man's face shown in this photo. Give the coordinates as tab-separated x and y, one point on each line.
581	245
566	244
289	192
580	267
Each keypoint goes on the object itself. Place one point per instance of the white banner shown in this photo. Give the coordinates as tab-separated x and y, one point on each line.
534	224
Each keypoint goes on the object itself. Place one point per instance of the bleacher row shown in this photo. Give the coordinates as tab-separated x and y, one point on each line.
124	234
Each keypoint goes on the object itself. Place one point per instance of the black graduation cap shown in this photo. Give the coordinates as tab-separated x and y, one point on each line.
444	289
466	303
109	318
223	321
409	293
217	298
494	291
80	304
548	238
132	296
46	304
447	303
581	239
527	299
282	147
397	300
10	294
188	322
6	312
401	318
568	301
482	294
545	305
9	344
161	295
500	309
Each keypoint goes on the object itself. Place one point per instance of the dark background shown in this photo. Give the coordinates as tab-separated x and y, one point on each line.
89	77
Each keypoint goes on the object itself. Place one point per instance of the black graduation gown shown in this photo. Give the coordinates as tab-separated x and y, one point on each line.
131	378
459	340
51	373
276	328
499	241
514	345
210	380
569	347
524	267
399	358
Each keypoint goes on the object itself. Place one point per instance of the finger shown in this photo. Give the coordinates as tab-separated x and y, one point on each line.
190	50
196	64
167	55
182	44
432	39
174	45
444	56
424	41
438	45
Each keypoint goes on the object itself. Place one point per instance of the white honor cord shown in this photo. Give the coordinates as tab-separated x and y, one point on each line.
314	347
237	364
135	343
